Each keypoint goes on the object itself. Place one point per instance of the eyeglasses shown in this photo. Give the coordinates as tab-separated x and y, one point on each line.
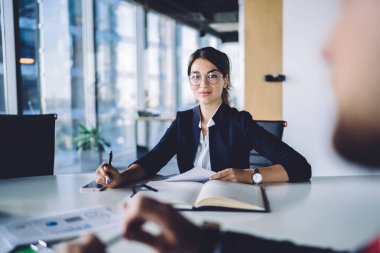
212	78
138	187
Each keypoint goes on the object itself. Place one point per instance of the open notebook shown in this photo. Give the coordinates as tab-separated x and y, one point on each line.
212	195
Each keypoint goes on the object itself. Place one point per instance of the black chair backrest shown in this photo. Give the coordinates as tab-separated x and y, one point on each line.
27	145
276	128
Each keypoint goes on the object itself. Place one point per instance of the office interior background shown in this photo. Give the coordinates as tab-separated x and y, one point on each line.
99	62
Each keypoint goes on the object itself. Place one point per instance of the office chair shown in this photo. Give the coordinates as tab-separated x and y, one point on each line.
27	145
276	128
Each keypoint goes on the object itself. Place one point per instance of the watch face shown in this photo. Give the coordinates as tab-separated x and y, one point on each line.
257	177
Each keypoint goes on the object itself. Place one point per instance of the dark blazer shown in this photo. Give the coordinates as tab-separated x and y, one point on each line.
229	242
231	139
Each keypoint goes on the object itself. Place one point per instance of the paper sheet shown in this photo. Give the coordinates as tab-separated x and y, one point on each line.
196	174
59	226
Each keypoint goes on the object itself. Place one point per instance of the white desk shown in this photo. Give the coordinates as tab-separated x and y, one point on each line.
338	212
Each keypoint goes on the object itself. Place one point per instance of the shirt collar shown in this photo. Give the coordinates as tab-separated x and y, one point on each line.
210	122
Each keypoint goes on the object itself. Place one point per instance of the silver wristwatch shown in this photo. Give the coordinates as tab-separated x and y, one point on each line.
256	177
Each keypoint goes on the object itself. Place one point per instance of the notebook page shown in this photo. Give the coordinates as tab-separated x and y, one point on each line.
245	193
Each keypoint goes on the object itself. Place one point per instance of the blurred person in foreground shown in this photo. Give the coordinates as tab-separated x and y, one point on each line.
353	52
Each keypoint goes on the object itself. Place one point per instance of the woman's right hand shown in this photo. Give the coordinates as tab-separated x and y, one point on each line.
104	171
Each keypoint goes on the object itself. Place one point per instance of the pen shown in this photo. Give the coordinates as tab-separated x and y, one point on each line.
110	164
110	158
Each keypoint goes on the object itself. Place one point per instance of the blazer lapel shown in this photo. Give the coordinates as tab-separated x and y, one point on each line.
215	144
196	130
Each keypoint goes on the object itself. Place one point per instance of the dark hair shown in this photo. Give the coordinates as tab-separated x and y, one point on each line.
220	60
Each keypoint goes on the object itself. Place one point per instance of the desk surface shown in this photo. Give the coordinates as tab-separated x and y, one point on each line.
338	212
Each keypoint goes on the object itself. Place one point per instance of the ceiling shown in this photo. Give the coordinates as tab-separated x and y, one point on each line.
216	17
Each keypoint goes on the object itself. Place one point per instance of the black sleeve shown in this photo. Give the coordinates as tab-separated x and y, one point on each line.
298	169
161	154
234	242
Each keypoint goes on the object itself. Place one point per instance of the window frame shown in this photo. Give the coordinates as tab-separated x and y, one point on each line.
9	61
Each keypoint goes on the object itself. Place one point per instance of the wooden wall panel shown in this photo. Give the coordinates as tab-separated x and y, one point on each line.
262	55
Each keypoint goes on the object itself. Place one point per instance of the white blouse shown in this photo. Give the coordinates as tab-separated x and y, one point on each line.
202	158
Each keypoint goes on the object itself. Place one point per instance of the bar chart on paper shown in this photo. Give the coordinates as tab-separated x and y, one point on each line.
60	226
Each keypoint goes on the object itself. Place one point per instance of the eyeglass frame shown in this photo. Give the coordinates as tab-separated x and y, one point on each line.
220	75
138	187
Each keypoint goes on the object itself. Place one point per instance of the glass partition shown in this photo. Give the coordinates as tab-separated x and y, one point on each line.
62	76
187	43
160	61
51	61
116	71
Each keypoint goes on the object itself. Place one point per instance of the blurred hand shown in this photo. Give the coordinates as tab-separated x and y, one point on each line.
234	175
104	171
85	244
177	234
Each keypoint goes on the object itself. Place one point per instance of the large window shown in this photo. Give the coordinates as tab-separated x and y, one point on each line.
160	82
116	71
96	65
159	86
62	75
2	88
158	94
237	92
187	43
51	59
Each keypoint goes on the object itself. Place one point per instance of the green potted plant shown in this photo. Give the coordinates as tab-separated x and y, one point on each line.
91	145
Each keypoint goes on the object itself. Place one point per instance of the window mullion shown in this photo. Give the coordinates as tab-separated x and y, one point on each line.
89	62
9	54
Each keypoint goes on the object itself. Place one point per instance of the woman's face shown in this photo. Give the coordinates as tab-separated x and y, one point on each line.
206	82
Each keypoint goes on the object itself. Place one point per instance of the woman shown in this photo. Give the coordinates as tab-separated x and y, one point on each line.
214	136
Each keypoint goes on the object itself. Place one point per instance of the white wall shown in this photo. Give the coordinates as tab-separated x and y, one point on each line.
308	101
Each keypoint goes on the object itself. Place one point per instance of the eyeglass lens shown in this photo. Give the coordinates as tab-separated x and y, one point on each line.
212	78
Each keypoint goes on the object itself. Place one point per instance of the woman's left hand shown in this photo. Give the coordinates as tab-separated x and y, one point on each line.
234	175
